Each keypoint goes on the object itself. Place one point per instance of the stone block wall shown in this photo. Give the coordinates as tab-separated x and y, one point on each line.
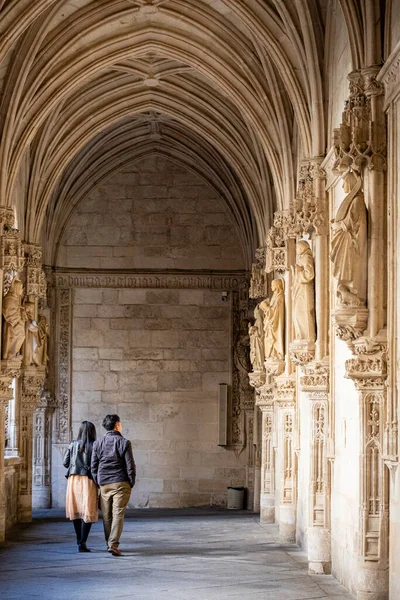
156	357
152	215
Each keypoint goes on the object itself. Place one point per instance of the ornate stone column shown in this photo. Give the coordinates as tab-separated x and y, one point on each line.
368	370
285	402
8	370
315	382
32	382
42	431
265	401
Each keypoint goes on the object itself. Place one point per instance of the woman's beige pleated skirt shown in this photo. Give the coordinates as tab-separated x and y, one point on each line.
81	502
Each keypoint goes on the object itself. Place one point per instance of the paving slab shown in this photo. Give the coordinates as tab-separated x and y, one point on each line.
193	554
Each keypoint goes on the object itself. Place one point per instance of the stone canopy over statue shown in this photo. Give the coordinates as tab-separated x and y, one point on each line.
303	293
349	244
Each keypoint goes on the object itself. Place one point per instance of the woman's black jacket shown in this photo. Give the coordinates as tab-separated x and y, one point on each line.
77	462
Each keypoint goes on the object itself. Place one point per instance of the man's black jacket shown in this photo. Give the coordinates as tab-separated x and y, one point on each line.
112	460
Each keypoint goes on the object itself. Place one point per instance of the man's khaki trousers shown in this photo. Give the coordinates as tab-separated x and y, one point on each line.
114	498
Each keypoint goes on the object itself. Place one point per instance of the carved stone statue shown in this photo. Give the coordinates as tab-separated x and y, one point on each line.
31	334
274	320
303	293
349	244
14	318
256	341
40	355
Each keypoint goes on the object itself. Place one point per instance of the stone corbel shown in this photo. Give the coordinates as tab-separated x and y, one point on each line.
9	369
350	323
301	352
257	379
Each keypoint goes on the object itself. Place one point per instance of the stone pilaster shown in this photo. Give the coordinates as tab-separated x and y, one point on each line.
315	382
368	370
8	370
32	382
42	430
265	401
285	402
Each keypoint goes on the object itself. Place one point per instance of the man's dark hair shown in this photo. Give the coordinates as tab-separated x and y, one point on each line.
110	421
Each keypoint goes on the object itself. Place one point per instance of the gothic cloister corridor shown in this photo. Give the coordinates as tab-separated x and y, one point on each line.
190	554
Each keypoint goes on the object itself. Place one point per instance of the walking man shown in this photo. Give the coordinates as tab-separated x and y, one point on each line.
113	469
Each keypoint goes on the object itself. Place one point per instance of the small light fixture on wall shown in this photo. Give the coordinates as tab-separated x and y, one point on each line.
224	296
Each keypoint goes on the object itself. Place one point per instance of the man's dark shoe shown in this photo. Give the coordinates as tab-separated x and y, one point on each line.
83	548
114	551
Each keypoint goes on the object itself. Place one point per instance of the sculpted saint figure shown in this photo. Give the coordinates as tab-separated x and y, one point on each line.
256	341
13	320
303	293
31	334
274	320
40	355
349	243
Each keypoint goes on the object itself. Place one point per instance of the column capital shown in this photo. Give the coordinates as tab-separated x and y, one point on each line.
315	378
368	369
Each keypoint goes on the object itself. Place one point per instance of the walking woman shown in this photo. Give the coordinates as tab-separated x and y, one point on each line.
81	503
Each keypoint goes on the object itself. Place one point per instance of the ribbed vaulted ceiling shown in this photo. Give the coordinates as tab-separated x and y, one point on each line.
229	88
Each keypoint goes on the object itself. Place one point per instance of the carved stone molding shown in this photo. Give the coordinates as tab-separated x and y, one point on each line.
368	369
302	352
285	390
146	279
389	76
315	377
265	395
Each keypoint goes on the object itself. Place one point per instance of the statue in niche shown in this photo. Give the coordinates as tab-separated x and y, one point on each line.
40	355
303	293
256	341
349	243
14	317
274	320
31	334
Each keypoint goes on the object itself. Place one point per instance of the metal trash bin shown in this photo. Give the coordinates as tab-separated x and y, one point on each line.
235	498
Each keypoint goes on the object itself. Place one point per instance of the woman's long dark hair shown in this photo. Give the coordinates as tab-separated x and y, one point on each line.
86	436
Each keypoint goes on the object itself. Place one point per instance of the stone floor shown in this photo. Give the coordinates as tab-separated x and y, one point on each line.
169	555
